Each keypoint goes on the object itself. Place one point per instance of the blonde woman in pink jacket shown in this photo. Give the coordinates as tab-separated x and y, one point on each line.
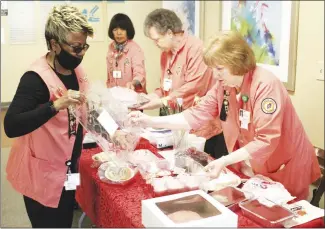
262	130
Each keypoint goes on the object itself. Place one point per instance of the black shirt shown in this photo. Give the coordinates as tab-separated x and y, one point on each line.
30	109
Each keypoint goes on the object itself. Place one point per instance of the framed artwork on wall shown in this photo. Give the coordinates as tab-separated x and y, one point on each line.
271	29
189	12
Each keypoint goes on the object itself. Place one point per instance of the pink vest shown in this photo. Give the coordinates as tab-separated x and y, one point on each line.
36	165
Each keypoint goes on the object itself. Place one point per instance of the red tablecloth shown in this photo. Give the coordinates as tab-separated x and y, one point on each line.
120	206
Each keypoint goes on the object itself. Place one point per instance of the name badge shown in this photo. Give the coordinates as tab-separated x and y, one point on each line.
167	84
117	74
244	118
72	181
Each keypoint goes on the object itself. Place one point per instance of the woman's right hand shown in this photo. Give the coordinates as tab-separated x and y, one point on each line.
138	119
68	98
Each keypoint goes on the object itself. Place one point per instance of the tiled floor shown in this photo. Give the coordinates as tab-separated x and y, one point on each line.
13	213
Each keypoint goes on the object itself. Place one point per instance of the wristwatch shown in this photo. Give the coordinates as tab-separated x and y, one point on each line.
54	111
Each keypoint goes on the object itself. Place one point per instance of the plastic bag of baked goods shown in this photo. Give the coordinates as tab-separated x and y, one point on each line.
106	119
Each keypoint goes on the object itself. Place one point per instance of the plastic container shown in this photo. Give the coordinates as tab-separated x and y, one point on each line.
126	176
191	183
198	156
265	212
175	185
159	187
196	142
230	197
190	165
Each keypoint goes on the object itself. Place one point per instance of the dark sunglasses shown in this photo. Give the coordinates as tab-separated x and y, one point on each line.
78	49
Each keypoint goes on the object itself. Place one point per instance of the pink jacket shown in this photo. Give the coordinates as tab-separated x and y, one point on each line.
276	140
36	165
190	77
130	63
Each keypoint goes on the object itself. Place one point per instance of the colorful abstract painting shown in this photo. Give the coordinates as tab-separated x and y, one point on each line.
258	21
271	29
188	12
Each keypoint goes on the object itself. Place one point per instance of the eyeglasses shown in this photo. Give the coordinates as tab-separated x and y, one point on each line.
78	49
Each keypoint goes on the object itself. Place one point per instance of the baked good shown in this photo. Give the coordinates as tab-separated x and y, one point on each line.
119	174
184	216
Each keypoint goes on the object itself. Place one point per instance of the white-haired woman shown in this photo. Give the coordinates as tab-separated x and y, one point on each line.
48	139
183	72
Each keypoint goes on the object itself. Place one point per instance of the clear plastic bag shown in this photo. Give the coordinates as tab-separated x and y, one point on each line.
261	186
180	138
101	158
106	119
128	97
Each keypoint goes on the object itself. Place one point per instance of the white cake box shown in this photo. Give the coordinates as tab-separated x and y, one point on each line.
187	209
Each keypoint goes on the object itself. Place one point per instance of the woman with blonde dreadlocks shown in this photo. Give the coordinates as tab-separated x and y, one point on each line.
48	139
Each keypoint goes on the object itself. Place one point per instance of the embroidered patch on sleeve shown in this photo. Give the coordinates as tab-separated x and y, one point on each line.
269	106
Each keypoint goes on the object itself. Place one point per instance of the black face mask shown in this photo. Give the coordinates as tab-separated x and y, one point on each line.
67	61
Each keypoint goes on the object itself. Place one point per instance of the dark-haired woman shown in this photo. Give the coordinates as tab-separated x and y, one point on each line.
125	58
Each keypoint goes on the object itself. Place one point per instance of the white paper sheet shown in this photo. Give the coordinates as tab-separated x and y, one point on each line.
22	27
106	120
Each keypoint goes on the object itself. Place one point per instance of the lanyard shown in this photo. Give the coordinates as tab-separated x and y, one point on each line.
225	106
169	72
170	64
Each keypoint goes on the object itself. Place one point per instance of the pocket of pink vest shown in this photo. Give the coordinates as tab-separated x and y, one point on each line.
38	170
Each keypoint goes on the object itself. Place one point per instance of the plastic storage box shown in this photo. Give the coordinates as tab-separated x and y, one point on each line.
265	212
230	197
